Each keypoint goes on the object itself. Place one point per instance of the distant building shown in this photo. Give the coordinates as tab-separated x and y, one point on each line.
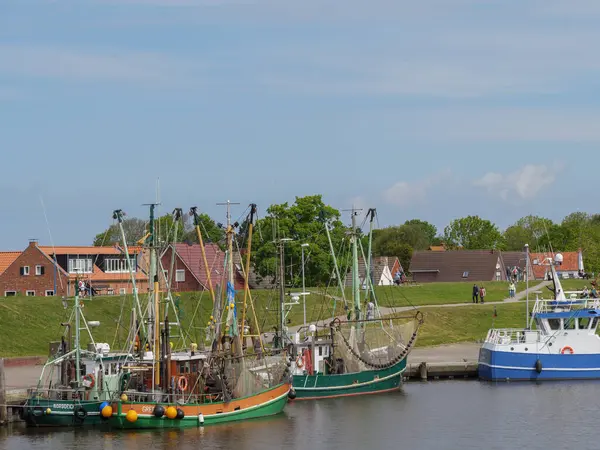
466	265
49	271
383	269
571	266
189	272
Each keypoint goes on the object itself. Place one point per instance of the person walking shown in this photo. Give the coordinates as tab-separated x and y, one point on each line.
512	290
475	294
482	293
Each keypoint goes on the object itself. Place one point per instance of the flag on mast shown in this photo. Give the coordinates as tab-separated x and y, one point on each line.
231	310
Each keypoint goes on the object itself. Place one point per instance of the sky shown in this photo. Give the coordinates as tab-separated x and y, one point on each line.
434	109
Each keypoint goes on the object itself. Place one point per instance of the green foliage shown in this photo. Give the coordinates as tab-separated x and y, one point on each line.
473	233
133	228
303	222
527	230
401	241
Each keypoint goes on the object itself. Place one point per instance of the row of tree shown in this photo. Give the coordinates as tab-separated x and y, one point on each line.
304	223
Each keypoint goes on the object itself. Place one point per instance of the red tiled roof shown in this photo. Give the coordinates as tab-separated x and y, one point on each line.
87	250
191	256
6	259
570	263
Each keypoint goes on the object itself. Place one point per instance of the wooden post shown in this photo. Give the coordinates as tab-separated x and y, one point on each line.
3	409
423	371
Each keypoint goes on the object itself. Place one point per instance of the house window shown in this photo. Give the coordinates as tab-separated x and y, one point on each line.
536	261
39	270
119	265
80	265
50	293
110	291
465	274
122	291
180	275
25	270
10	293
30	293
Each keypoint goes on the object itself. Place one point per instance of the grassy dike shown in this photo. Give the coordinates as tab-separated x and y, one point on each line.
28	324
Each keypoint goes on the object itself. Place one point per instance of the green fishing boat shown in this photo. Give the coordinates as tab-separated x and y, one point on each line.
362	353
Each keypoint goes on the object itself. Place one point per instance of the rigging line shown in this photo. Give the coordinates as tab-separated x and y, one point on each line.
51	241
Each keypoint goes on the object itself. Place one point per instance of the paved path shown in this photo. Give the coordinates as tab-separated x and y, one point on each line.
467	352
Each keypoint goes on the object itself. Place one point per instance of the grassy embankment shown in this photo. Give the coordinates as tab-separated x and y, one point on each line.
27	324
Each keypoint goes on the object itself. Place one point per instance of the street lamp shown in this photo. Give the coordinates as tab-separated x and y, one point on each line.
303	283
527	284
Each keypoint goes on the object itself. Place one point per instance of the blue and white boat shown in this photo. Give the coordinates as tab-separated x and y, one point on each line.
564	344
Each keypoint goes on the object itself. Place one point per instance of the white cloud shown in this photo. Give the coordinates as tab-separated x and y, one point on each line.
524	183
405	193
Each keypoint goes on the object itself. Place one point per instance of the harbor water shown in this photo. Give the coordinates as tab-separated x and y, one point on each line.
430	415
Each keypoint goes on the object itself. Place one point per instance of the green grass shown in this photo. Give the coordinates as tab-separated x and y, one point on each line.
28	324
467	323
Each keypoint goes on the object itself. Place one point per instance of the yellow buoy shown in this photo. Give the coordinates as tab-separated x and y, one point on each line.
212	318
107	411
124	397
171	412
48	411
231	305
171	345
131	416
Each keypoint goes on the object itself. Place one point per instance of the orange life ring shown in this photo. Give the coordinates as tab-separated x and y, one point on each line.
299	362
90	379
564	349
182	383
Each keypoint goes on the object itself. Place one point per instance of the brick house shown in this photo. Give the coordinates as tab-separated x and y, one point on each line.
189	271
570	267
48	271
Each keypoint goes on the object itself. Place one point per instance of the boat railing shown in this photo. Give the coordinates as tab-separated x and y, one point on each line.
506	336
551	305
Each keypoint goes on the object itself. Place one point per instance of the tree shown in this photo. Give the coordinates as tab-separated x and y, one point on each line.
303	222
472	233
428	229
527	230
133	227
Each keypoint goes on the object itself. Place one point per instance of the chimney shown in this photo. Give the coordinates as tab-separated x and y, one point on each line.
33	242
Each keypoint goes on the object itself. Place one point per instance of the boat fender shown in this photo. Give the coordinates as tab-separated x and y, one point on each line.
180	414
299	362
292	394
201	419
38	411
538	366
159	411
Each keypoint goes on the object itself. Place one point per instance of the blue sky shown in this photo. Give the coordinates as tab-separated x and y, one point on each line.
434	109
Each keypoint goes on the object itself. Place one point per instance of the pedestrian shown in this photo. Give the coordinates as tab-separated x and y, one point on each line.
370	310
475	294
482	293
512	289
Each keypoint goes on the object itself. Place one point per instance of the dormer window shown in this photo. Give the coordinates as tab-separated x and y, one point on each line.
465	274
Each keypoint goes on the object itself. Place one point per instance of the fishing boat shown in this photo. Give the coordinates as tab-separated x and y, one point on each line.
75	383
563	345
362	353
227	382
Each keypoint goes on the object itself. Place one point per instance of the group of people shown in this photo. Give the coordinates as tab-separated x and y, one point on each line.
589	294
478	294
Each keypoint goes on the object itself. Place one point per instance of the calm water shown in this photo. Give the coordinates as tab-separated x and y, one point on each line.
436	415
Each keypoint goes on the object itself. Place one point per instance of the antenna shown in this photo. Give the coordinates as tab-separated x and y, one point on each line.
228	204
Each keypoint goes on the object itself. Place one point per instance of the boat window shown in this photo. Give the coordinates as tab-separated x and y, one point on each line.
554	324
584	322
569	324
320	350
594	323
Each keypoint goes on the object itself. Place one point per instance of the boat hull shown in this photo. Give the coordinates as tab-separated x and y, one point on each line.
39	412
267	403
311	387
497	365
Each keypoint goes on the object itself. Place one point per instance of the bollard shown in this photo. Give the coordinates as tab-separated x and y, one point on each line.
423	370
3	409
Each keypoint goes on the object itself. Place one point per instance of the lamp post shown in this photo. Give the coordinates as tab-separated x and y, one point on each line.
303	284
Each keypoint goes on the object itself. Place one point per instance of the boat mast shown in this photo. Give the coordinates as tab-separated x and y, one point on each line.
282	242
118	215
194	212
355	280
77	339
371	212
527	286
247	273
153	306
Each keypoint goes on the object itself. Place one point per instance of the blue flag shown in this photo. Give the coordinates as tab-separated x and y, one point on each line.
231	310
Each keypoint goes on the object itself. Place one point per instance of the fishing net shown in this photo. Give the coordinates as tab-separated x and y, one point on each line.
375	344
252	374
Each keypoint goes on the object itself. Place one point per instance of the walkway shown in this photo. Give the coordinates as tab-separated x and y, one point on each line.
387	311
